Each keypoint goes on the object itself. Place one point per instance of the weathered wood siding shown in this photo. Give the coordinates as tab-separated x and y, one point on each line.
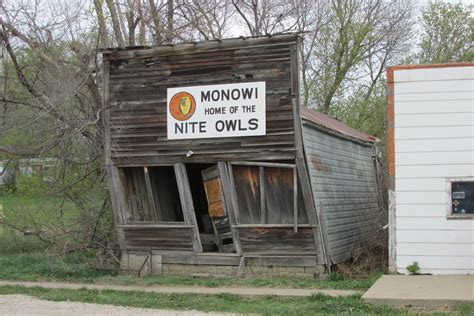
150	238
137	99
277	240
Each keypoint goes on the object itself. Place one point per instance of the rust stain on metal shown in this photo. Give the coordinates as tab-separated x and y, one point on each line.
331	123
318	164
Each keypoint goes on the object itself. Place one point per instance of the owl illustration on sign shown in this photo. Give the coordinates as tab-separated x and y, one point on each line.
185	105
182	106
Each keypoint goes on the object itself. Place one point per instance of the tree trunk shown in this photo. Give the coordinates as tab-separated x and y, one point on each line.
115	23
101	21
169	22
157	39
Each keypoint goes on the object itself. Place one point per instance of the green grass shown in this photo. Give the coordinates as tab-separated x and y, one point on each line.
314	305
31	265
24	258
465	309
22	210
344	283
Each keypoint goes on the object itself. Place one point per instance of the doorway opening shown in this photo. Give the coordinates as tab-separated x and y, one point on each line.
213	222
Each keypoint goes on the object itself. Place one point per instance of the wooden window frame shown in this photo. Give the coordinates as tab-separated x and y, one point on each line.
157	223
261	166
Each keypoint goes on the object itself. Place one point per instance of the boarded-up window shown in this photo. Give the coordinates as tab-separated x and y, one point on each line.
266	194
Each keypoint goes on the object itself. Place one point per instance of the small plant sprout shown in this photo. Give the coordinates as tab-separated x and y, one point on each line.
413	268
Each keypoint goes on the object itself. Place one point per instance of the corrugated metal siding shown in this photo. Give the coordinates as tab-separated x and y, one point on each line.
343	180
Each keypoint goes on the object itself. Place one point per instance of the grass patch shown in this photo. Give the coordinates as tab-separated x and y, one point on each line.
24	258
314	305
36	266
346	284
465	309
44	210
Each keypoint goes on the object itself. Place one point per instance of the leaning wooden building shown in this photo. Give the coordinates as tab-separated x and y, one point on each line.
213	166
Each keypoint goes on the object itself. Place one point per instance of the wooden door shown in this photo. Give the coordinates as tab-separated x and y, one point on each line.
216	209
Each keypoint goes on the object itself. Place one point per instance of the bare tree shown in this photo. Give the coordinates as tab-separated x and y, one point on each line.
209	18
265	17
358	40
55	96
117	26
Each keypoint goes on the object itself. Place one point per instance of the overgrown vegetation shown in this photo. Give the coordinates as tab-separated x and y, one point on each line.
24	258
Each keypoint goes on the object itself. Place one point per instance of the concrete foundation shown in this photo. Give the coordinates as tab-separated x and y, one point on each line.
148	263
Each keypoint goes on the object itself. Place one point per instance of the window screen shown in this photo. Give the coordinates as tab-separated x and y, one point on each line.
462	197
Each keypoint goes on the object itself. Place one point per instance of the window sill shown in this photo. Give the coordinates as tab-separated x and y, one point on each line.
460	217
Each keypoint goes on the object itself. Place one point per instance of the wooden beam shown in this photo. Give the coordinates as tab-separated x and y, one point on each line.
207	46
117	193
263	212
183	225
119	205
272	225
295	201
233	194
392	232
303	173
313	217
262	164
157	215
229	203
187	204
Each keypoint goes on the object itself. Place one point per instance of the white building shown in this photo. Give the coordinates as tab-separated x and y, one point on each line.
431	157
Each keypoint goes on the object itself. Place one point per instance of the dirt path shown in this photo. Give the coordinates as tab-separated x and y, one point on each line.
242	291
19	305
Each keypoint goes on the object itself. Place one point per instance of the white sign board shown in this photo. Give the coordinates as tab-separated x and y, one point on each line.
224	110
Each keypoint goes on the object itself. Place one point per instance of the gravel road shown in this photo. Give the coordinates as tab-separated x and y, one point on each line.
31	306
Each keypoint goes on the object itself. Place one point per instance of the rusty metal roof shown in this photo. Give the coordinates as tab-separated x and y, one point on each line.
334	124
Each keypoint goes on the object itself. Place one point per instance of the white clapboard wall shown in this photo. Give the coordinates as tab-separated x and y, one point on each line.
434	141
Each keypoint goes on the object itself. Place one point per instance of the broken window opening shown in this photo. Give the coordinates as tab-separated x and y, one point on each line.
152	195
268	194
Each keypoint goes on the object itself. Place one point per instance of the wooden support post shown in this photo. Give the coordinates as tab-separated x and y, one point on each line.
114	180
157	215
233	194
295	201
119	205
263	211
229	204
313	216
187	204
392	232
